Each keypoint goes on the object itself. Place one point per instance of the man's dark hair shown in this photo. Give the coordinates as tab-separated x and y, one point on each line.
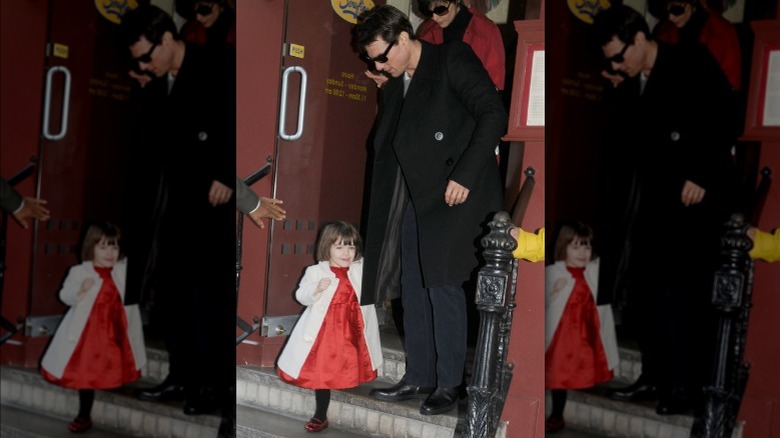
619	21
386	22
146	21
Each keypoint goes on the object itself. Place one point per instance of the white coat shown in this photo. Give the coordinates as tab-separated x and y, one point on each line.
559	284
308	326
72	325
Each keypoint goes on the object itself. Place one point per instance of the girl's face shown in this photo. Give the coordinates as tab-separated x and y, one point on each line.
578	253
342	255
105	253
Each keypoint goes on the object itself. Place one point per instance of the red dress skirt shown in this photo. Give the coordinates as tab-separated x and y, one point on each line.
575	358
339	358
103	358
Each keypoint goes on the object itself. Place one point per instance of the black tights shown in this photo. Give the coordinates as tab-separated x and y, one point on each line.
322	397
86	399
558	403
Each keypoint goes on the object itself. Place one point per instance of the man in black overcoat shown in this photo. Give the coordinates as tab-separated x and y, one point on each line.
675	121
189	128
435	184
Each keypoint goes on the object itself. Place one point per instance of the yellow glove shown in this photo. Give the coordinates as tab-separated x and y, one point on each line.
766	246
530	246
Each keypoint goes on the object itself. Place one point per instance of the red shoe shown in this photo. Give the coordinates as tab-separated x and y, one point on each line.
316	425
79	425
553	424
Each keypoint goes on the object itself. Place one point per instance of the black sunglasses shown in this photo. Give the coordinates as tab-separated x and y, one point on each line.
146	57
676	10
204	10
617	58
438	10
379	58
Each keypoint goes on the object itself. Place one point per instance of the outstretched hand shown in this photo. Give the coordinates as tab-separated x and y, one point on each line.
269	208
32	208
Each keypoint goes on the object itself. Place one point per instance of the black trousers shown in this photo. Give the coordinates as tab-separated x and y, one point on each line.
670	299
196	302
435	322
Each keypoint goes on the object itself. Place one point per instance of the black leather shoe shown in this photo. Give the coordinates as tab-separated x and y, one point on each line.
442	400
399	391
203	403
638	391
162	392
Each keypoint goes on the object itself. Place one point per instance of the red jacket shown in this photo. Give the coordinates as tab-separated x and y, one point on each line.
720	37
484	38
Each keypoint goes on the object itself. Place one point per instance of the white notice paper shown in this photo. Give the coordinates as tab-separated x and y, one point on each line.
536	91
772	90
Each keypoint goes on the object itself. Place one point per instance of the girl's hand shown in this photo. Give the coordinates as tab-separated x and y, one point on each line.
85	286
321	286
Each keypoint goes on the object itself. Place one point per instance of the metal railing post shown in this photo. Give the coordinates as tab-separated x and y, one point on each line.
495	300
731	297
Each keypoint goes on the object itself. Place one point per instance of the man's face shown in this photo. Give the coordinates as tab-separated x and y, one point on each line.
679	13
622	57
445	19
397	57
152	58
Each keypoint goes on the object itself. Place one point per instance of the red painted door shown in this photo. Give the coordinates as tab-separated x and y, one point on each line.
80	142
322	116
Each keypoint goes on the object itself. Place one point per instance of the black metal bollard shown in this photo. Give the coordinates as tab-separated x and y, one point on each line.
731	298
495	300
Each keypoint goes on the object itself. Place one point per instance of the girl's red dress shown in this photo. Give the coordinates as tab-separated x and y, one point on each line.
103	358
339	358
575	358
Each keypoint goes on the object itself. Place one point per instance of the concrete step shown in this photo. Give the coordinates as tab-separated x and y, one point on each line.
116	410
593	411
21	423
352	410
255	423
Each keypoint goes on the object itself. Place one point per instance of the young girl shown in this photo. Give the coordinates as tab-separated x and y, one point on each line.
98	345
580	341
335	343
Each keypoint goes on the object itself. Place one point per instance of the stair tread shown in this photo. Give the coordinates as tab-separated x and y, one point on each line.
122	396
597	396
355	396
252	421
20	422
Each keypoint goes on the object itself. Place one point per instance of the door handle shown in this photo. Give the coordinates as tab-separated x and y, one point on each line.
65	103
301	103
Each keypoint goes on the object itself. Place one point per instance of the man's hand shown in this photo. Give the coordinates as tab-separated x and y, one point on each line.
455	194
268	208
141	78
378	78
691	193
615	78
219	193
32	208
